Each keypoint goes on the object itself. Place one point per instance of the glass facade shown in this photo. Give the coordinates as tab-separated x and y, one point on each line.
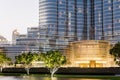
107	16
71	20
89	53
62	21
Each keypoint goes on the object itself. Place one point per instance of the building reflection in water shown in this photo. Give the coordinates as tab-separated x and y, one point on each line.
55	78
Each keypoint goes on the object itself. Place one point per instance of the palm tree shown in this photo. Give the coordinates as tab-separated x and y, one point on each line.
53	60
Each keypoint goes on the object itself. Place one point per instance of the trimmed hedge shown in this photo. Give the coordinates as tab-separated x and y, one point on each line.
68	70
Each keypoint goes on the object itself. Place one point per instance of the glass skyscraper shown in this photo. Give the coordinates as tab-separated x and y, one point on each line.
106	19
62	21
71	20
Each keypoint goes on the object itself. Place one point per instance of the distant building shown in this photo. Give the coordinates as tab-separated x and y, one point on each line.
20	45
89	53
2	50
15	50
3	40
15	35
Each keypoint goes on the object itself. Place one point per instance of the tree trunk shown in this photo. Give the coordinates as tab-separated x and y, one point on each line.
52	71
1	68
27	70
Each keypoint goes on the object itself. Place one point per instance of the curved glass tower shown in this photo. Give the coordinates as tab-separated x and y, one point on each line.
48	15
63	18
107	20
62	21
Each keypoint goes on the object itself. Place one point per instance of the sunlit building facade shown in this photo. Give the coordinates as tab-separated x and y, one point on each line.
89	53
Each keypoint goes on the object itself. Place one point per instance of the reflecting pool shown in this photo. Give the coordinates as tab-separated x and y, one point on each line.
45	78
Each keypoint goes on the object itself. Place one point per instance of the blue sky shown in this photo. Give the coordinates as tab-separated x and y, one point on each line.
18	14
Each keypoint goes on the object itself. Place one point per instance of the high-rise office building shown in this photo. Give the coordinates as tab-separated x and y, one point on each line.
71	20
107	20
62	21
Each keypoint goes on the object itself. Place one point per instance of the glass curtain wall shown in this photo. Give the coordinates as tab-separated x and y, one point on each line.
116	20
107	20
61	21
